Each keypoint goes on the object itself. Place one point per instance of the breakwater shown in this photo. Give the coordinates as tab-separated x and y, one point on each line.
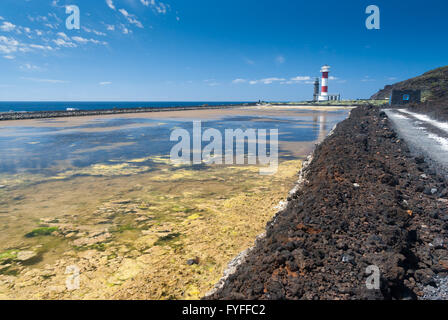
82	113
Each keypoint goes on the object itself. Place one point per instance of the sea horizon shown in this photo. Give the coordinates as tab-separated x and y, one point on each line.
34	106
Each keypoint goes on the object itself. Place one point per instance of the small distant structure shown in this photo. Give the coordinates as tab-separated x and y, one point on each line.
316	90
72	109
400	97
334	97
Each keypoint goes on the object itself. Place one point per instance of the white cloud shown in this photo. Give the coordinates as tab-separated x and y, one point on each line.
9	41
267	80
43	80
211	82
80	39
98	33
9	57
249	61
85	41
110	27
7	26
56	4
24	48
110	4
64	43
63	36
161	8
105	83
51	21
40	47
300	78
131	18
30	67
271	80
1	18
125	30
38	18
367	79
158	7
51	26
236	81
124	12
280	59
11	45
54	15
295	80
8	45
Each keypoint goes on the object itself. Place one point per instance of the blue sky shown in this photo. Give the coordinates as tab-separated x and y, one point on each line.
210	50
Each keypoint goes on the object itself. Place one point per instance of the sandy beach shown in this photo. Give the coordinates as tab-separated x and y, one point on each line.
197	113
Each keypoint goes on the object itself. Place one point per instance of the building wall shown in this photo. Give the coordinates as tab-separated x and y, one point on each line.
400	97
334	97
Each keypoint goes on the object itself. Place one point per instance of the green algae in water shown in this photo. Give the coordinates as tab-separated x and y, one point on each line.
46	231
168	239
96	246
123	228
10	272
8	256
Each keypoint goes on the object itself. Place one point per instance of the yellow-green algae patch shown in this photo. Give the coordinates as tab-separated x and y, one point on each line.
112	168
105	170
131	234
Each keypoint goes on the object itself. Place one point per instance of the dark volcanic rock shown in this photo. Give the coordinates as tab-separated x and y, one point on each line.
320	246
191	262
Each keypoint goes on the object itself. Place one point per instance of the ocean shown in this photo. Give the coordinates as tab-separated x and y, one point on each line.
25	106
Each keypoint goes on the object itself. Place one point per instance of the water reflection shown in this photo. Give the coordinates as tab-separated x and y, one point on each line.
49	150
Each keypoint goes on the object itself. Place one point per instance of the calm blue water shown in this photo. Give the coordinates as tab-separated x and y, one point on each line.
20	106
41	149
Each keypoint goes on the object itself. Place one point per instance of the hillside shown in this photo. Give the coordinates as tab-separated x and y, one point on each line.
434	85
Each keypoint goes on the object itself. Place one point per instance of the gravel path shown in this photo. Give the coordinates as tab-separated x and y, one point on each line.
424	135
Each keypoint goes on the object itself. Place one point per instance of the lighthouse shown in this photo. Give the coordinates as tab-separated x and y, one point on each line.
324	89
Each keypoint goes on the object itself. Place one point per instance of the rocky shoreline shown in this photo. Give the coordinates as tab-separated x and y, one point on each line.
233	265
365	201
82	113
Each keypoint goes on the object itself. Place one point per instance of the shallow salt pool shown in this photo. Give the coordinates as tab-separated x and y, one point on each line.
101	195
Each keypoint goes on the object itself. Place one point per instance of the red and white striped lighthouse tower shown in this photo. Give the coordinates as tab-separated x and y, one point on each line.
324	90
